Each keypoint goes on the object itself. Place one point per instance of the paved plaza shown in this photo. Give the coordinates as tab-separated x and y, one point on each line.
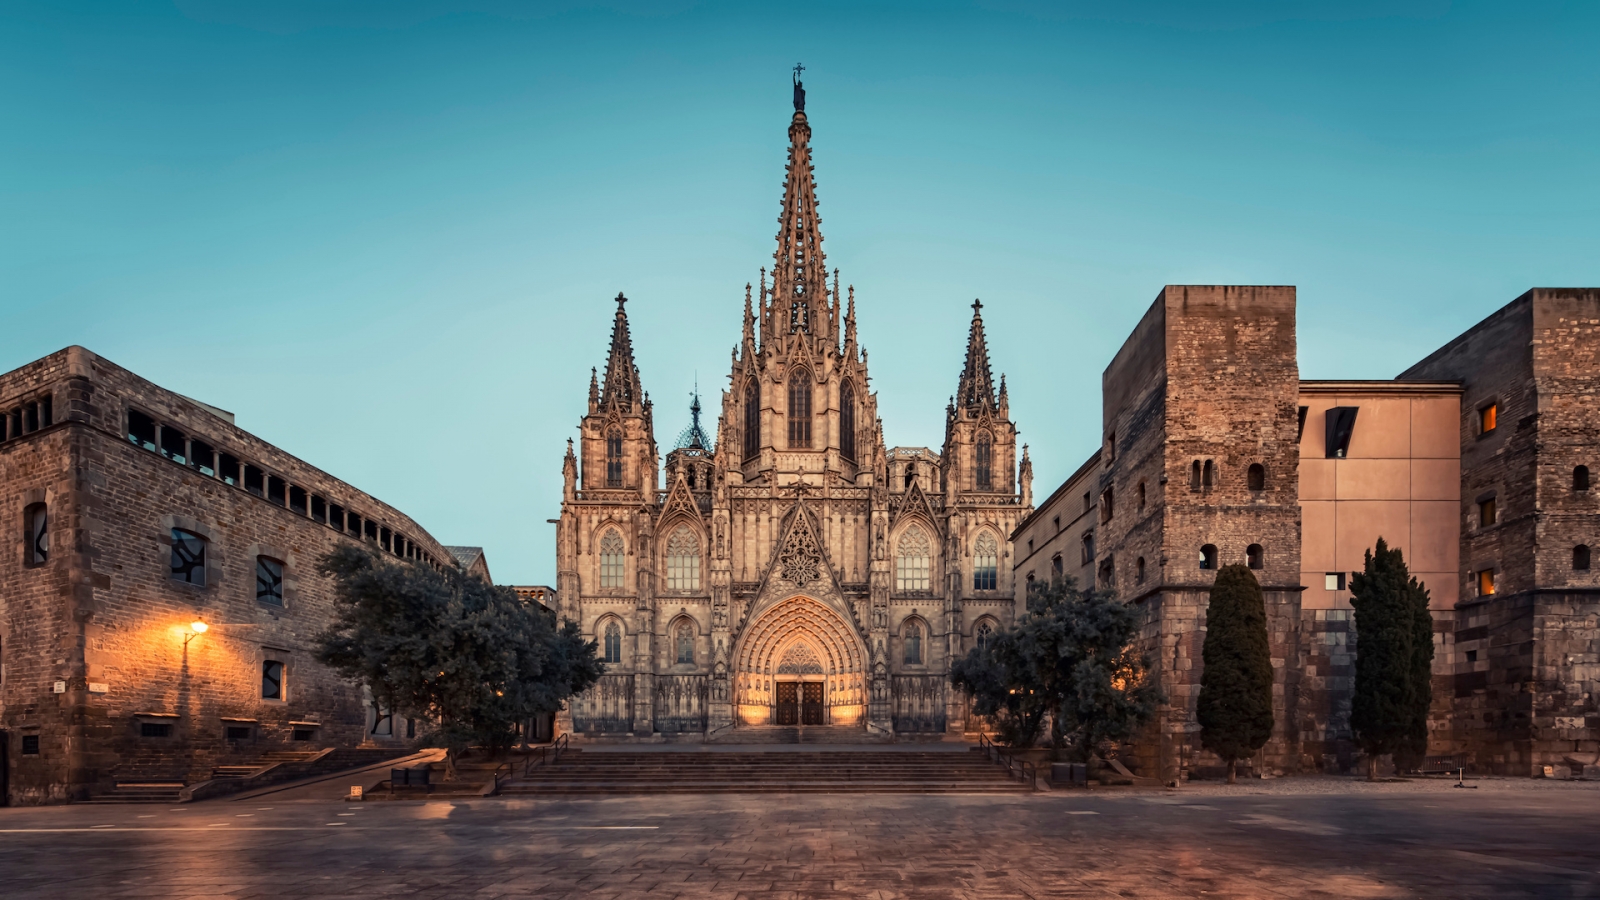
1291	838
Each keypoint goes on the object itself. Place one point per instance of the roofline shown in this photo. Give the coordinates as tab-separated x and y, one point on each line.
1378	386
1091	462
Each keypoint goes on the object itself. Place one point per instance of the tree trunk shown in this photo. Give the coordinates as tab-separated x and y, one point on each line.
1232	779
1372	767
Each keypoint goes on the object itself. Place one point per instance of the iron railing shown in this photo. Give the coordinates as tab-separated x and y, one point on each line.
1020	769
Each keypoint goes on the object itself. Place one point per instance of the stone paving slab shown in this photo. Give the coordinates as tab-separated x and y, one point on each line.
1513	840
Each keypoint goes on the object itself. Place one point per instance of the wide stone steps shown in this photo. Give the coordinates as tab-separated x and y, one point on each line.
141	792
881	771
799	734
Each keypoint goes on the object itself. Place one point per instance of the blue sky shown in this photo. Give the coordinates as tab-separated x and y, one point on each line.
386	235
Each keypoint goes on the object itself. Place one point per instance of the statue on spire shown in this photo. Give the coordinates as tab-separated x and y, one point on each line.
799	89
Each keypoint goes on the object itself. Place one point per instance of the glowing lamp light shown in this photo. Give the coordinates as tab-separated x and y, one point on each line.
198	626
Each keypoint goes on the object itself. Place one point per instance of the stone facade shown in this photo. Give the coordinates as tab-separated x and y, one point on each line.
796	569
104	678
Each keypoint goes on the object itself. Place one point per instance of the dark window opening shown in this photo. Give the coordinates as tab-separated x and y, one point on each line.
202	457
1057	567
16	427
1300	433
752	419
847	422
370	530
319	509
1256	477
355	523
411	728
799	410
255	481
31	417
277	488
1472	656
47	411
1341	424
1208	475
613	642
1139	495
913	645
238	732
272	680
911	475
1194	476
985	454
141	428
1254	556
1208	556
229	470
1088	547
1580	558
1138	570
36	522
1333	581
1486	513
30	745
1108	574
383	538
174	444
188	557
614	459
297	500
1107	504
269	581
303	734
1056	522
155	730
1580	478
336	516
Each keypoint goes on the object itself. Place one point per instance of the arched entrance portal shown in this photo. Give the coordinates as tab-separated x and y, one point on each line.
800	663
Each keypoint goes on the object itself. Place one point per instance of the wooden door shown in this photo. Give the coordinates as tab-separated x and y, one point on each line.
811	703
788	703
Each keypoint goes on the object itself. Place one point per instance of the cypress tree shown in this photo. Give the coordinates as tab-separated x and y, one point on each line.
1394	658
1235	704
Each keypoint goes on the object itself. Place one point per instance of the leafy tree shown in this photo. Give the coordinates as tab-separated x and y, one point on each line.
450	647
1071	656
1394	658
1235	705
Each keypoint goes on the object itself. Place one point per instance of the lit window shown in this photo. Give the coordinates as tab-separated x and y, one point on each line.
985	563
1486	583
683	560
188	557
611	560
613	641
1487	418
272	680
269	581
912	561
1486	513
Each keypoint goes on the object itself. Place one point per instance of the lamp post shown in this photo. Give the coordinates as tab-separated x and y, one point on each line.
196	628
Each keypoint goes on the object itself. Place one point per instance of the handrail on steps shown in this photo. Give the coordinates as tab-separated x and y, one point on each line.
1020	768
547	755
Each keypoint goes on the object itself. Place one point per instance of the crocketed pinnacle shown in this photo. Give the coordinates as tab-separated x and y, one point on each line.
975	391
621	388
800	272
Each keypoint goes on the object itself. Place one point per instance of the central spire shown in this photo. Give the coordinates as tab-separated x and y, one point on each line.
621	386
800	274
975	390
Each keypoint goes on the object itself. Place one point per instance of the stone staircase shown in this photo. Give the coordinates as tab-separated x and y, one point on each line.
885	771
273	766
141	792
799	734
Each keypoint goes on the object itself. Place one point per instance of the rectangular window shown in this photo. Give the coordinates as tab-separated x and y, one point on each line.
1487	418
1107	504
16	427
297	500
1341	425
174	444
303	734
370	530
31	424
277	490
228	470
336	517
383	538
272	680
155	730
1300	435
1486	583
202	457
1486	513
30	745
47	411
188	557
238	732
319	509
141	428
1333	581
269	581
36	522
255	481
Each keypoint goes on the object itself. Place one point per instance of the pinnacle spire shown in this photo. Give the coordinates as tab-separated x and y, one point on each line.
975	390
621	386
800	272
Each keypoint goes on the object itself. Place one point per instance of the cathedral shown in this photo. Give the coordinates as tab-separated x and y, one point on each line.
795	570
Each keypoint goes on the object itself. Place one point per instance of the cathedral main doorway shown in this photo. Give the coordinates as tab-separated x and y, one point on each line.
800	663
800	703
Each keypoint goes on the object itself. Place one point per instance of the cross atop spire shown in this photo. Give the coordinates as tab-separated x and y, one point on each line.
799	89
621	386
975	390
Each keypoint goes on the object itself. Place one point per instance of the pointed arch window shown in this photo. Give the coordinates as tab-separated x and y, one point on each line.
799	409
913	640
912	561
685	642
985	454
847	422
614	458
613	641
611	551
752	419
984	634
985	563
683	560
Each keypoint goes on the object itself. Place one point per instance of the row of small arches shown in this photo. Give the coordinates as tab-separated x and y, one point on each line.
1205	474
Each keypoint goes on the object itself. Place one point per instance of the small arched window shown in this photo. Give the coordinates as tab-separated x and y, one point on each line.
614	458
913	640
1194	476
1254	556
1580	478
1580	558
685	642
985	563
611	551
188	557
799	409
985	459
613	641
36	525
1256	477
683	560
912	561
1208	556
752	419
983	634
847	421
911	475
1138	571
1208	475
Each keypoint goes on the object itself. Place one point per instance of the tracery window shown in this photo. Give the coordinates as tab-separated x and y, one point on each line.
614	458
613	642
685	642
985	454
611	551
847	422
683	560
985	563
983	635
752	419
913	641
799	409
912	561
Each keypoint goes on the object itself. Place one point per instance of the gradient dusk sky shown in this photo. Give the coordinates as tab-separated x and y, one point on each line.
386	235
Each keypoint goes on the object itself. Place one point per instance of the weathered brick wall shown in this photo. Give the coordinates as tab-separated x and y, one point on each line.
105	616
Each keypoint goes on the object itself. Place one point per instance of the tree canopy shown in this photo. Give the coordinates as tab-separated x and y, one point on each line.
1235	704
449	647
1394	659
1069	656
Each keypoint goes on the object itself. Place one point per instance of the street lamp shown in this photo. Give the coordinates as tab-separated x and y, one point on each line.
196	628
